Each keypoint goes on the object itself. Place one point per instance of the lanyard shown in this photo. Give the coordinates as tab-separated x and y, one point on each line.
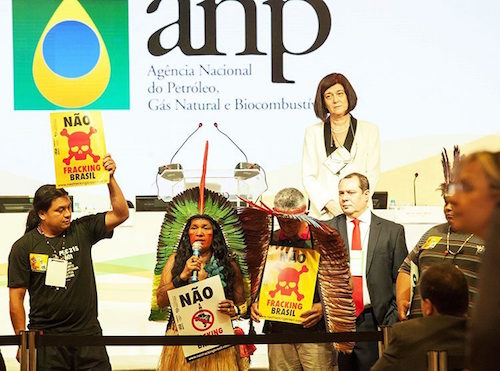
56	255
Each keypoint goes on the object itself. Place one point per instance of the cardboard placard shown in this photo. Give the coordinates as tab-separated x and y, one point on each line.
79	148
194	308
288	283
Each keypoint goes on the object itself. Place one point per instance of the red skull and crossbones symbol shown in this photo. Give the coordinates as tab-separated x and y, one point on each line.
288	282
79	145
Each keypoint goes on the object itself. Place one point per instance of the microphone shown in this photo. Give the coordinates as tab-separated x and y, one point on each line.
196	252
173	171
232	141
243	170
415	190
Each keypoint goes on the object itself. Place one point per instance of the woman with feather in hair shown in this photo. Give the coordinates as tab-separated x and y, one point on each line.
214	259
205	219
440	244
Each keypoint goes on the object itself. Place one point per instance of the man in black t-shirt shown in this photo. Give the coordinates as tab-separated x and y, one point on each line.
307	356
53	262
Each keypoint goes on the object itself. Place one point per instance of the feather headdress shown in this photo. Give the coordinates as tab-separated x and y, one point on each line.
449	170
333	273
198	201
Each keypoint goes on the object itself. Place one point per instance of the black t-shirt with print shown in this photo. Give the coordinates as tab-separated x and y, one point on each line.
72	309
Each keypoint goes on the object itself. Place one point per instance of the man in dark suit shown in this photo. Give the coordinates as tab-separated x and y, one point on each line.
376	249
445	299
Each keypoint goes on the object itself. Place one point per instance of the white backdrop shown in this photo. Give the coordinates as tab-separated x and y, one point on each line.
421	69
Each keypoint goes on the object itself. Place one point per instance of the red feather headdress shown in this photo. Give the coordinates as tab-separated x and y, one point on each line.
333	273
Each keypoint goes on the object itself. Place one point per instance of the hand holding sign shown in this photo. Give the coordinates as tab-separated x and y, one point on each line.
403	308
255	312
312	316
109	164
227	307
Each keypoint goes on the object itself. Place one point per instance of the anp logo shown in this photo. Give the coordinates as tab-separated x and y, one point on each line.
70	54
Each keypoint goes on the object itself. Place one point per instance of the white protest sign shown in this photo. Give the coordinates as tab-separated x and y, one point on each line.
414	275
194	308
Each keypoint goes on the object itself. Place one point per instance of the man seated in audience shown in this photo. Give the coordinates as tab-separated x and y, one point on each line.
445	298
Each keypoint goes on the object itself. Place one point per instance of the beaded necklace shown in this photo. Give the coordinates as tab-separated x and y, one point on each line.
451	252
56	255
333	137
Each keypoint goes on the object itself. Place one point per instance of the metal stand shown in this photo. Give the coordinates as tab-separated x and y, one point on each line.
386	333
27	356
437	360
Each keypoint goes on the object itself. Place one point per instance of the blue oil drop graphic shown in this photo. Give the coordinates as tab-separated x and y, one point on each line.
71	66
71	49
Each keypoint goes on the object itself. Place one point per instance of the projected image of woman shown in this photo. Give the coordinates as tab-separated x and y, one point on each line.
338	145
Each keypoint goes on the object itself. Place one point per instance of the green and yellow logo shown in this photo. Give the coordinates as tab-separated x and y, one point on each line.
70	54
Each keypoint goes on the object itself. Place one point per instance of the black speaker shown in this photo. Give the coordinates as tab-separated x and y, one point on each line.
149	203
15	204
19	204
380	200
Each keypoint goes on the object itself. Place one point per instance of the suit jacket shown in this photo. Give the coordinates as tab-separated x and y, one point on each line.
320	183
386	251
411	340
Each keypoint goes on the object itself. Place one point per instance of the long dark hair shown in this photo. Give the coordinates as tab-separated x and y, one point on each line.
41	202
219	250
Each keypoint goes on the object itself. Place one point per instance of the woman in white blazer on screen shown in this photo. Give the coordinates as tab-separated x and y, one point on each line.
337	146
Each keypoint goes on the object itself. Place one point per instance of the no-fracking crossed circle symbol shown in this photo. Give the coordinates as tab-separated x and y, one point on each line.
202	320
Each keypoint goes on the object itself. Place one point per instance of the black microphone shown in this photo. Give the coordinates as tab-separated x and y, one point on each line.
173	171
415	190
243	170
232	141
182	145
196	252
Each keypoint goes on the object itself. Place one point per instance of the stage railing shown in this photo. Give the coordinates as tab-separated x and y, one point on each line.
31	340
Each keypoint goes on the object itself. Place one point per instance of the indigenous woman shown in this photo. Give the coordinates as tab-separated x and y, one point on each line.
441	243
217	233
338	145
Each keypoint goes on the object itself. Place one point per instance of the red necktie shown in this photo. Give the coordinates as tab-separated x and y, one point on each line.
357	293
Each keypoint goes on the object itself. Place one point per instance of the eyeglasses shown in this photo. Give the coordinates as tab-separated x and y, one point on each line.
454	188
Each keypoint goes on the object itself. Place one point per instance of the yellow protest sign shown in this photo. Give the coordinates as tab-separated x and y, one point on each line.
288	283
79	148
